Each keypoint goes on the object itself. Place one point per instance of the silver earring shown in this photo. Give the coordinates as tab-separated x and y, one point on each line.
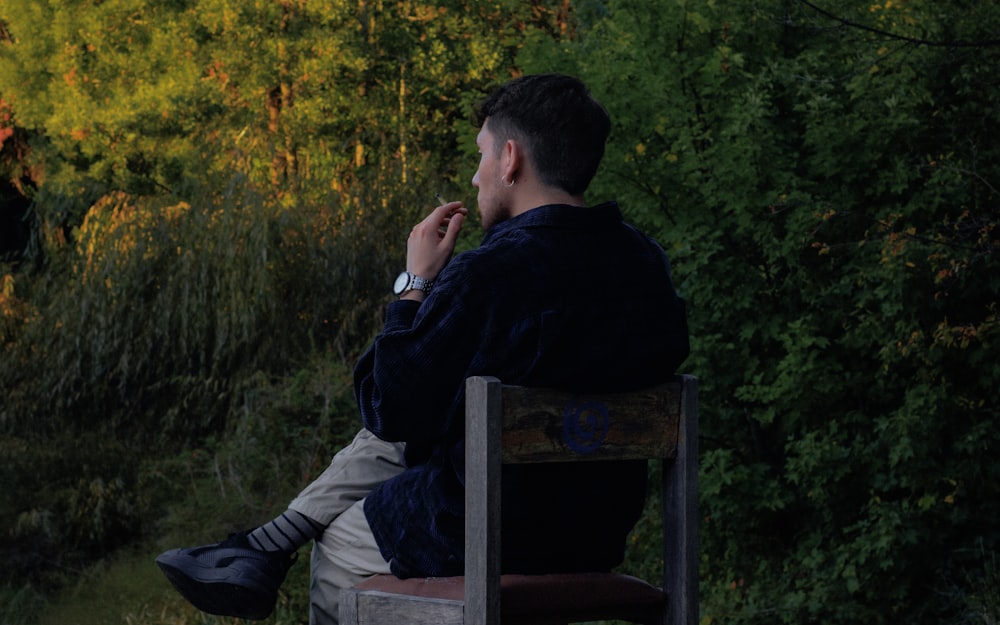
505	183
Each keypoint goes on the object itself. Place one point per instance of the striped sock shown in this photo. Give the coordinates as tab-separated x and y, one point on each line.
287	532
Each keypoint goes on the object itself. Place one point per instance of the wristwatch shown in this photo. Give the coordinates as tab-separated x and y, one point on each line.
407	281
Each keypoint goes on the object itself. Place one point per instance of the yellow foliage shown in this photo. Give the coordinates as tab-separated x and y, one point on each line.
964	335
115	229
13	310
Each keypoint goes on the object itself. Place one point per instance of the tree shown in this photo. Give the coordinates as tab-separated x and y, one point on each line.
823	183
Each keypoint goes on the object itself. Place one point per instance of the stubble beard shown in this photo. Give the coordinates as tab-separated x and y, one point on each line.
498	213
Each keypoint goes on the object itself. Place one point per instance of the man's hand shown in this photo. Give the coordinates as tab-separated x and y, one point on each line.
432	242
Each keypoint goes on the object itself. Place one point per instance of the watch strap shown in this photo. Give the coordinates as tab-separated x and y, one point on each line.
419	284
408	281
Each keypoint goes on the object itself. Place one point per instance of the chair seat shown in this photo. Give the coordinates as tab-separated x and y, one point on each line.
544	599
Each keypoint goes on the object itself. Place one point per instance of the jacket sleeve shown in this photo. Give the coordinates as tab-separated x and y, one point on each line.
409	381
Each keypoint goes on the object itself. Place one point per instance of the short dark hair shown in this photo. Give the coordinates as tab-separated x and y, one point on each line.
563	127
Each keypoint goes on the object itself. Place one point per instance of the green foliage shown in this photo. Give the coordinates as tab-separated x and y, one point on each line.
311	96
828	196
173	315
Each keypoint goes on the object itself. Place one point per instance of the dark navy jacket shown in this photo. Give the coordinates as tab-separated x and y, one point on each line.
562	297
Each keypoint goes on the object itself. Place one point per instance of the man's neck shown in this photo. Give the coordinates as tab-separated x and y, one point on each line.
533	196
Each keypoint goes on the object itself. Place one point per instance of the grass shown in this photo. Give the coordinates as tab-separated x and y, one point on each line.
113	592
130	590
20	605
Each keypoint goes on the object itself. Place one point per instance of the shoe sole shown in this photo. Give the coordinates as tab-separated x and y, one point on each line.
220	591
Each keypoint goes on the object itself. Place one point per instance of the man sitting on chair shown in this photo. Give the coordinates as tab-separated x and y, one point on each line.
559	294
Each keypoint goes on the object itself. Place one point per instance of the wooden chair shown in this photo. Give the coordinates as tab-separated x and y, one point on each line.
510	424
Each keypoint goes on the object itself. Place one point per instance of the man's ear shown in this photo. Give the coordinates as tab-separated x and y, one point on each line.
512	159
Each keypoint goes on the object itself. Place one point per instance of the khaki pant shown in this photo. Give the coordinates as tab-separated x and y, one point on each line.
346	552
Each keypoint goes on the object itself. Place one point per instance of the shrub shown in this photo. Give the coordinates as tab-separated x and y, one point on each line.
162	323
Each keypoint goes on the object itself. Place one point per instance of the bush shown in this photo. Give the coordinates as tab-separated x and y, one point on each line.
821	182
169	320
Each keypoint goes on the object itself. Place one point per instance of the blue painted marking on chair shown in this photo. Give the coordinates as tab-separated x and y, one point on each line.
585	426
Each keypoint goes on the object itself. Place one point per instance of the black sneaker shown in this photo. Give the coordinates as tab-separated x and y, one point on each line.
230	578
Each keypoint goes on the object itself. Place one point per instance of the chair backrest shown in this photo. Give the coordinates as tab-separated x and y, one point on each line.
510	424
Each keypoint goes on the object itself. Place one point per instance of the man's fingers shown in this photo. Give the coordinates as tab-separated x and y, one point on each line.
453	227
443	211
440	218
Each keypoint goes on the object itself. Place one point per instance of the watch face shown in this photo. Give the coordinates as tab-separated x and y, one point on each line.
402	280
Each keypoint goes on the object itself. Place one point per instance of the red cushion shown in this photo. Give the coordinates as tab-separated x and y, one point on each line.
538	599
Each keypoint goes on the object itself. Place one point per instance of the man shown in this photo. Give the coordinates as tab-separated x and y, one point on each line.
558	295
